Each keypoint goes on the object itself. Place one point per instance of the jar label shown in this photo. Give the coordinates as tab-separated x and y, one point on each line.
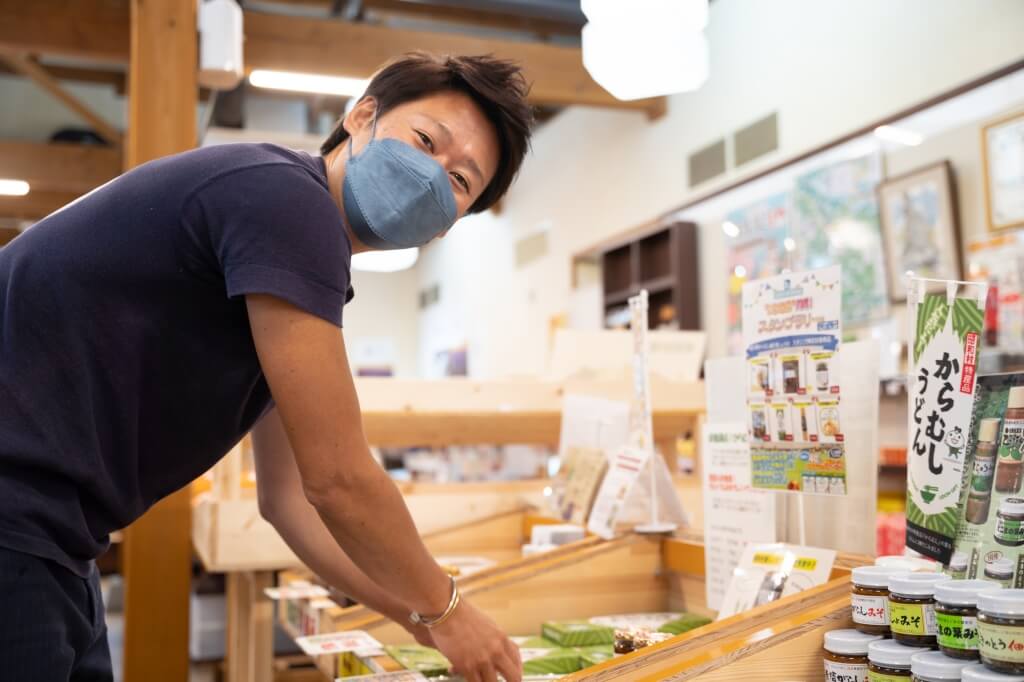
883	677
957	632
1009	530
912	619
1001	642
870	610
981	478
1012	441
846	672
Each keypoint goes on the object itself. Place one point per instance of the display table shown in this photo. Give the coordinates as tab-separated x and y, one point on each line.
634	574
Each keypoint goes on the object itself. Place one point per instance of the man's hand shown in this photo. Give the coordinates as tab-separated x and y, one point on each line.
476	647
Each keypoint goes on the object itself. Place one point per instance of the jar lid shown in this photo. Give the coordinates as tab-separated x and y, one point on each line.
1002	602
892	654
936	665
962	592
988	432
875	576
1012	505
916	584
977	672
1016	398
849	642
908	563
958	562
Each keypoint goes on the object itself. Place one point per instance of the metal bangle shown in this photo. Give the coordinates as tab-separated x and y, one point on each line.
453	602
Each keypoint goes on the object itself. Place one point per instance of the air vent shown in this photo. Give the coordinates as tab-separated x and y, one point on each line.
707	163
529	249
756	140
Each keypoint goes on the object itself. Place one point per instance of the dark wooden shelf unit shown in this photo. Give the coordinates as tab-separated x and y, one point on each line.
665	263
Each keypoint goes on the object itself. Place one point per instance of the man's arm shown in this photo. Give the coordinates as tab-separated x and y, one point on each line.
303	358
283	504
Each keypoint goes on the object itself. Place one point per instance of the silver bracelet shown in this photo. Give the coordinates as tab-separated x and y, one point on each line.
417	619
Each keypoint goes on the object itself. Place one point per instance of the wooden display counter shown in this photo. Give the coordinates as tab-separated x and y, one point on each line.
634	574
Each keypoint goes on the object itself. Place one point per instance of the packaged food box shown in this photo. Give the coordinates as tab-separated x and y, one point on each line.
685	623
534	643
423	659
551	661
592	655
573	633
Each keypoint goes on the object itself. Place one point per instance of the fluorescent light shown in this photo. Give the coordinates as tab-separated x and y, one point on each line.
308	82
740	271
13	188
731	229
899	136
789	243
385	261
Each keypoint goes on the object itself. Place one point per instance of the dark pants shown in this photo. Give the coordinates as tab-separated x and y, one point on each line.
51	622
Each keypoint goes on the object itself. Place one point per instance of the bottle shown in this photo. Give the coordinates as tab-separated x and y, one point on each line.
1008	466
821	374
992	314
980	495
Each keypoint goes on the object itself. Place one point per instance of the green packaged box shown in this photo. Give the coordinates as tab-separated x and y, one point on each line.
550	661
420	658
592	655
573	633
685	623
534	643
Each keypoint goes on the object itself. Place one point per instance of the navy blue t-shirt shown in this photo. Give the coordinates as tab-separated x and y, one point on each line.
127	366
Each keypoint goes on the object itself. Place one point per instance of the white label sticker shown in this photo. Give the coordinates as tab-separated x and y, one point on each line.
869	610
846	672
337	642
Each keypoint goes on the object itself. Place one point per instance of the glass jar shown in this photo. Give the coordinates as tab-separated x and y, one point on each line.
1001	630
1010	522
957	566
912	608
889	661
934	666
977	672
846	655
1000	571
956	616
870	598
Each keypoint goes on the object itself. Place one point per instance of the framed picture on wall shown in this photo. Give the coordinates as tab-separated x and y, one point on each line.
920	230
1002	148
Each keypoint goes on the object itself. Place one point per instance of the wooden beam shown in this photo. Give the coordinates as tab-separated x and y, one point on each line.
35	205
7	234
112	77
90	28
59	166
27	66
157	548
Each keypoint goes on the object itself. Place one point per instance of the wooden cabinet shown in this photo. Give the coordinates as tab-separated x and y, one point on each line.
665	263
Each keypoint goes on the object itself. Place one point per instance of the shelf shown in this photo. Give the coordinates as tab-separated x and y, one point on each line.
658	284
619	297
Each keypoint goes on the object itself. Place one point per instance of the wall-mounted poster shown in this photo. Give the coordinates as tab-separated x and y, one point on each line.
920	227
835	222
1003	153
757	251
944	358
792	330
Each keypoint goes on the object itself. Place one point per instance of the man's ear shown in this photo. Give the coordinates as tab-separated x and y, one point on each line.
361	116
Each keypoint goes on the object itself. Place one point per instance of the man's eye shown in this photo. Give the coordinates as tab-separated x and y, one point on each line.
425	139
461	180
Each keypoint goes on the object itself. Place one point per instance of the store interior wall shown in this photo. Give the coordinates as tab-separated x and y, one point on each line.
382	322
594	174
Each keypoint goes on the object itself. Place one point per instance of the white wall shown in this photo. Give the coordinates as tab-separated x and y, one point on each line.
828	67
384	315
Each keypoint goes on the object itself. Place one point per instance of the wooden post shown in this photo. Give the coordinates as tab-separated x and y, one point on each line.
250	621
157	550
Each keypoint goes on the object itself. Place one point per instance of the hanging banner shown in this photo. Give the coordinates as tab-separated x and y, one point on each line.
792	330
940	389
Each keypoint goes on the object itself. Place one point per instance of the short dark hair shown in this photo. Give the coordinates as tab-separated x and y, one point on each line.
497	86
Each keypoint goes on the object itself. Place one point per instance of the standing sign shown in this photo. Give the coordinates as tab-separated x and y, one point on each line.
792	330
947	338
734	514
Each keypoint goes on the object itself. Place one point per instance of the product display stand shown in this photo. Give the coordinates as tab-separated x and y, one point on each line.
230	536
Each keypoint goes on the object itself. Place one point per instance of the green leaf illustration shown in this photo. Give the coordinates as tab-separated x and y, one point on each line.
931	319
944	523
967	317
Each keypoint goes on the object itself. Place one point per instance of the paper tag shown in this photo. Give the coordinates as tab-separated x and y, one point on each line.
338	642
293	591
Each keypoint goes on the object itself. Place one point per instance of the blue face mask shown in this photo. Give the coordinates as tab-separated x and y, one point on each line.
395	196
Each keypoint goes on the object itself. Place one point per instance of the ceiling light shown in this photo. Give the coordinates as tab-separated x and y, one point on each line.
13	188
740	271
899	136
308	82
385	261
647	48
731	229
789	243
